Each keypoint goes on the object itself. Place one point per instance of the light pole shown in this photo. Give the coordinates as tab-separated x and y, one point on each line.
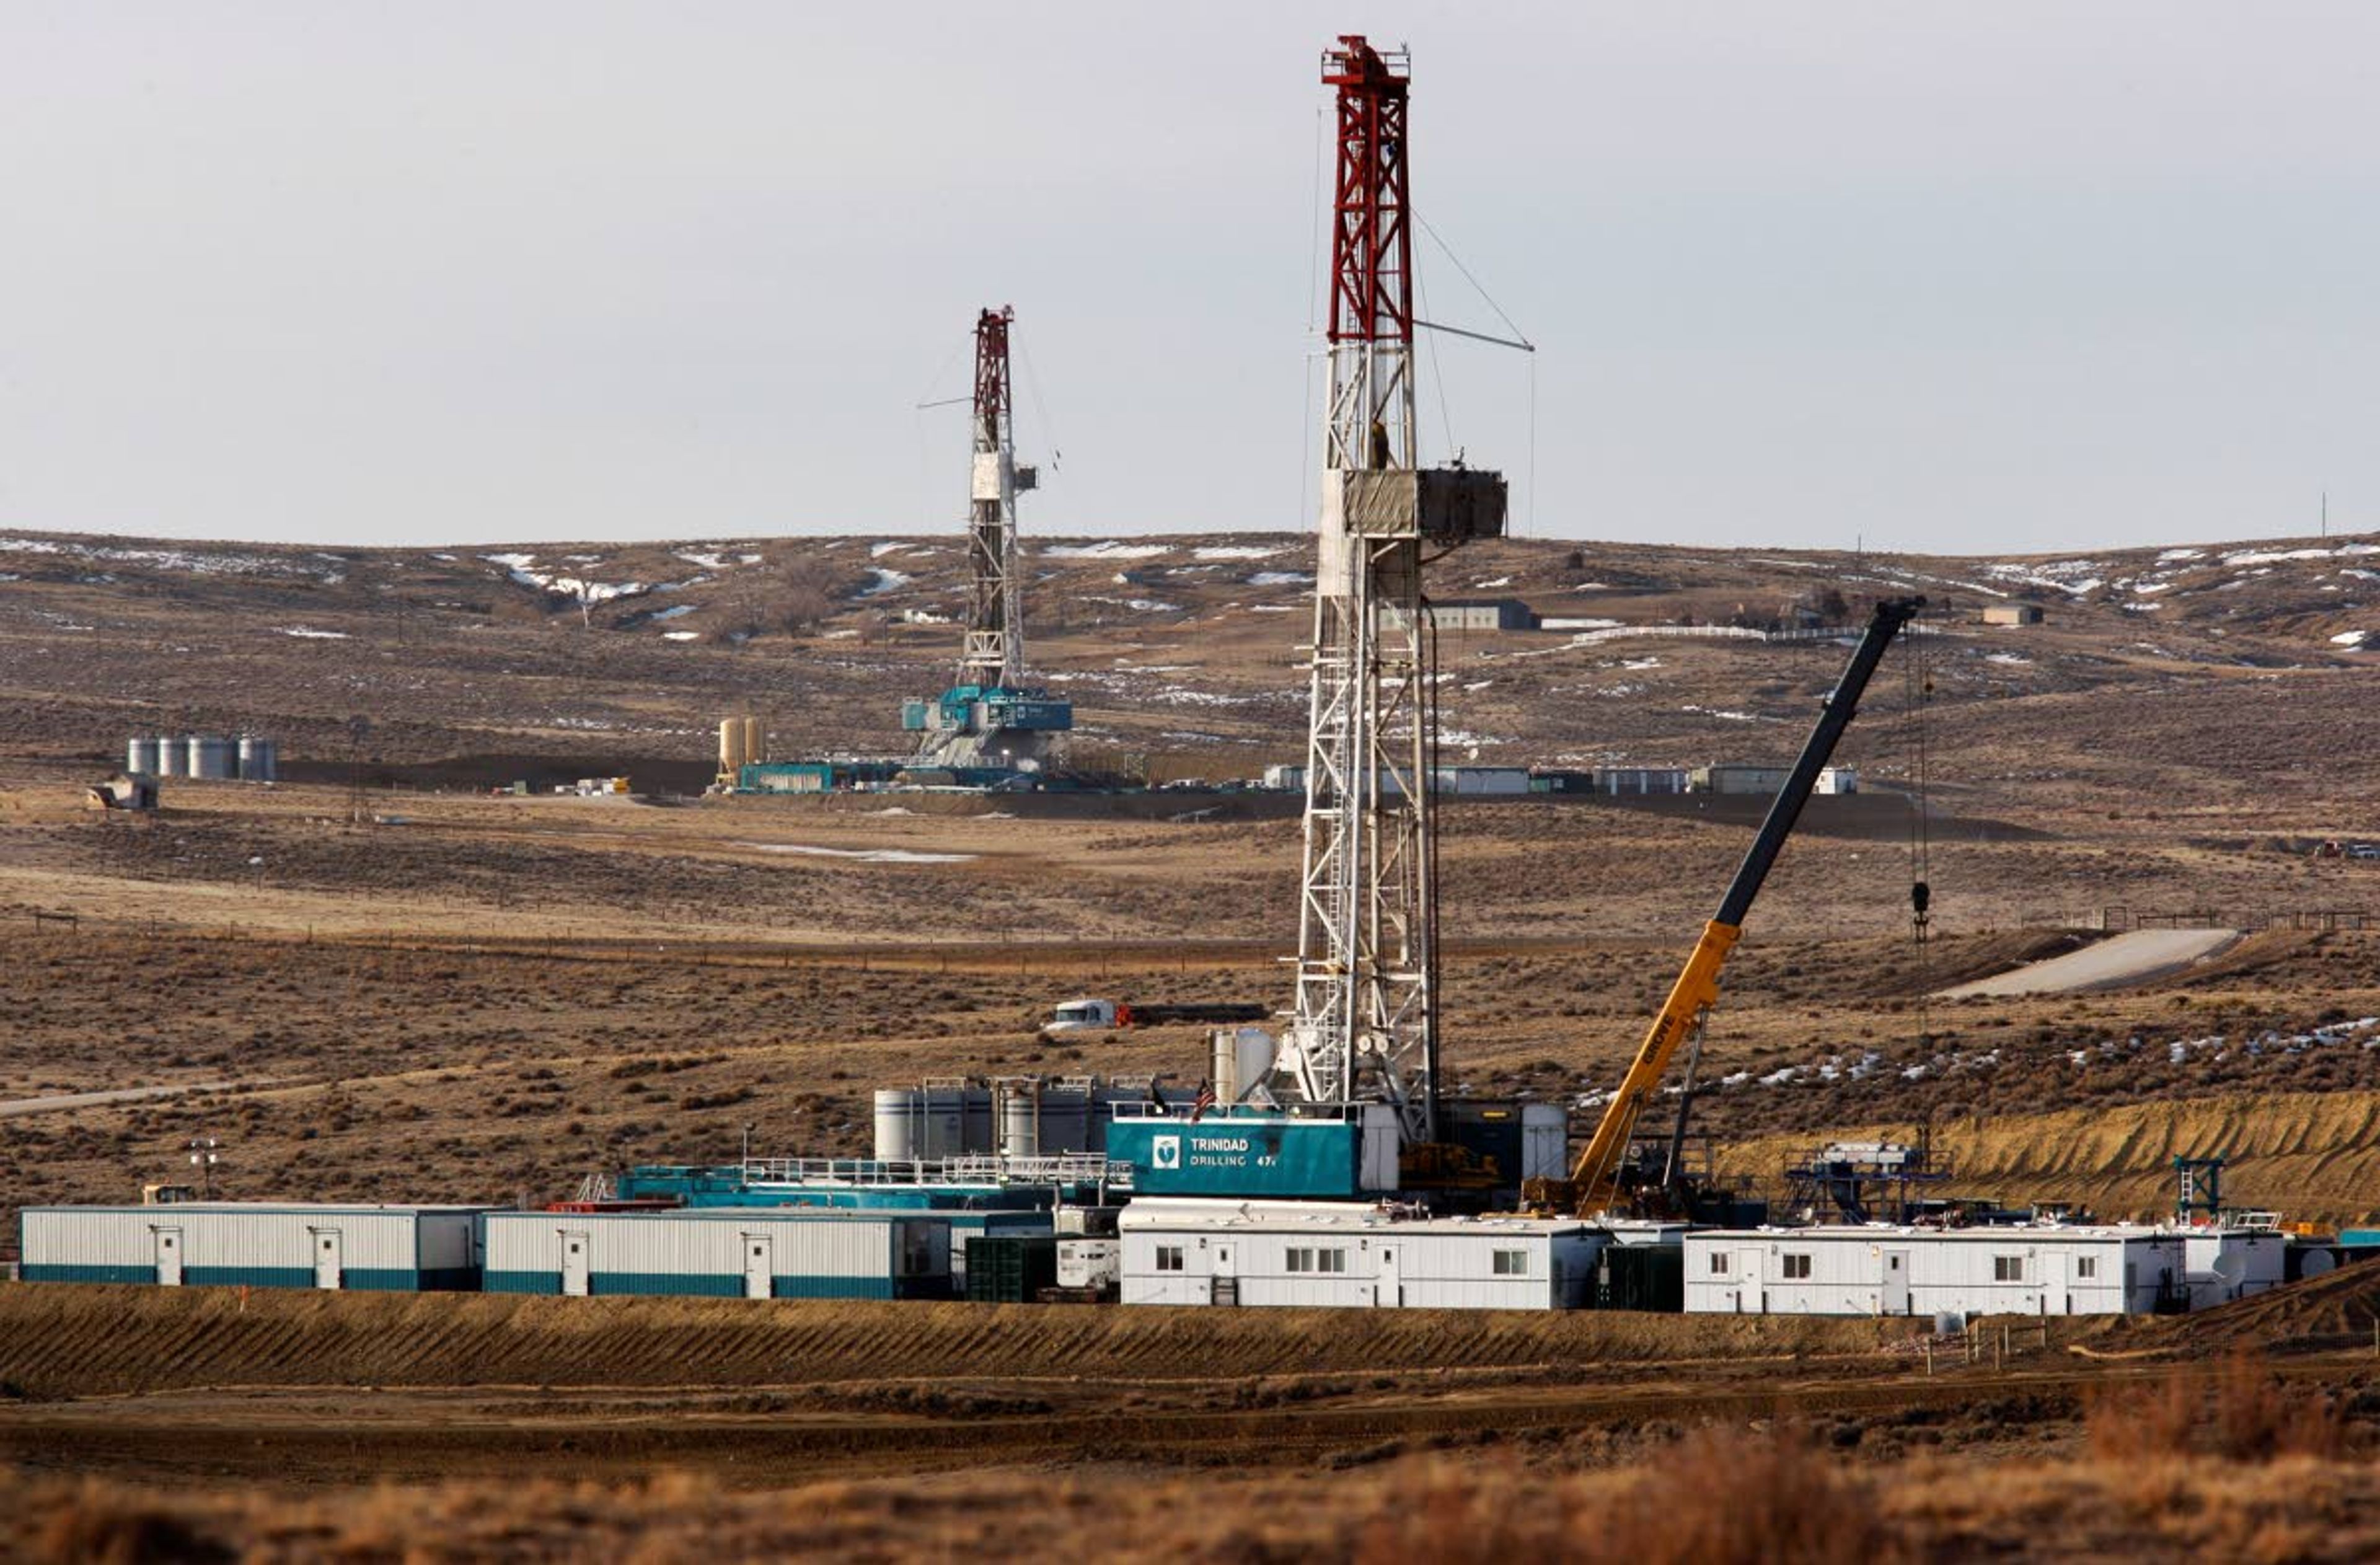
202	1157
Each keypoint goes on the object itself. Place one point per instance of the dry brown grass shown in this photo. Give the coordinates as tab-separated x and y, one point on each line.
1724	1498
2236	1411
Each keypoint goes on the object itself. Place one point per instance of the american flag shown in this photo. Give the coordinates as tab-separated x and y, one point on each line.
1205	1100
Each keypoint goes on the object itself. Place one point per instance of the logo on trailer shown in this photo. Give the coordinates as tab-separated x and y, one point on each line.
1165	1152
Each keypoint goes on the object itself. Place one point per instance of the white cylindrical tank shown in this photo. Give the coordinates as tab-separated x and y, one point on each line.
170	754
898	1113
260	760
210	756
140	755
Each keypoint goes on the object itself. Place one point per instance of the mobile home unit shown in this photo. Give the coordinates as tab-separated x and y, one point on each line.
722	1252
1884	1271
257	1244
1350	1253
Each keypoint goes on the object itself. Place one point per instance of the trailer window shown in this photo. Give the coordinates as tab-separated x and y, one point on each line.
1795	1267
1300	1260
1511	1263
1330	1260
2085	1268
1718	1263
1169	1258
2008	1268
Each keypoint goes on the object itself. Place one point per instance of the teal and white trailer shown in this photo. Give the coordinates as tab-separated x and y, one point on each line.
258	1244
722	1252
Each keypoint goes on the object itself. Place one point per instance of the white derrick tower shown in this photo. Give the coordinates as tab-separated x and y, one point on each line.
1364	1027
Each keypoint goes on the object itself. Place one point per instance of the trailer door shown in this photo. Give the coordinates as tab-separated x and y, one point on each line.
328	1270
760	1273
1750	1297
169	1257
1387	1282
574	1264
1894	1297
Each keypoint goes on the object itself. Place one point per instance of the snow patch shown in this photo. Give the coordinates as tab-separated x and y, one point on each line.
1281	578
862	855
1110	550
310	634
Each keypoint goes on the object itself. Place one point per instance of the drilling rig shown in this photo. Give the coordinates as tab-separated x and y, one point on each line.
990	720
1344	1104
1364	1022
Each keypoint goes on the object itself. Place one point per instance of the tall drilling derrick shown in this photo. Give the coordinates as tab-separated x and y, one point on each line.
990	720
1364	1027
995	625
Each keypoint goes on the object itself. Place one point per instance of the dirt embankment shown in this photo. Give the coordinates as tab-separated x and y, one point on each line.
2315	1155
62	1341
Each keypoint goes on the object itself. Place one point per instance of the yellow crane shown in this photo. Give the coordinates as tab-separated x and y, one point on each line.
1593	1182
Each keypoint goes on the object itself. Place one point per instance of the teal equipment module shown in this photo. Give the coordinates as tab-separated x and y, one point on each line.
987	709
1273	1156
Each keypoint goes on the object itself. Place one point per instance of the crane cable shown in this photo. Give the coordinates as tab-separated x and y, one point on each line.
1919	695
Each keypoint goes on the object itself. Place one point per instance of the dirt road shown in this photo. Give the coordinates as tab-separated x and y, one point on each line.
2126	959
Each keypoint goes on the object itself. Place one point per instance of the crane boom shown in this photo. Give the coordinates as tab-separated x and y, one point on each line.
1595	1179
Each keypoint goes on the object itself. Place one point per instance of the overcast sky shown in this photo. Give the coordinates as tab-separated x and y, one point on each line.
1982	277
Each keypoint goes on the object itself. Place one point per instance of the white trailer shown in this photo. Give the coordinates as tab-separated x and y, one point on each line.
1883	1271
1350	1254
256	1245
722	1252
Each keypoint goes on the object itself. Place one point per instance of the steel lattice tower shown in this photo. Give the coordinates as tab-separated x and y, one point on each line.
995	625
1365	1023
989	719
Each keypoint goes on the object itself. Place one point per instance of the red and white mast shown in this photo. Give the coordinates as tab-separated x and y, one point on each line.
1364	1025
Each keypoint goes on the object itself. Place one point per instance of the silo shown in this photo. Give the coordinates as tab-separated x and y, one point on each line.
899	1113
753	749
260	760
170	754
732	755
140	755
1020	1119
210	757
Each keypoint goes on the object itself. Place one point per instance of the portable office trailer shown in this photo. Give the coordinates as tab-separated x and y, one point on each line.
1351	1255
720	1252
1876	1269
258	1244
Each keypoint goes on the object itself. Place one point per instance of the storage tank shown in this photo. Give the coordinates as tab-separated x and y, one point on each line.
1044	1123
898	1110
260	760
980	1133
753	749
732	753
140	756
939	1126
170	752
210	757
